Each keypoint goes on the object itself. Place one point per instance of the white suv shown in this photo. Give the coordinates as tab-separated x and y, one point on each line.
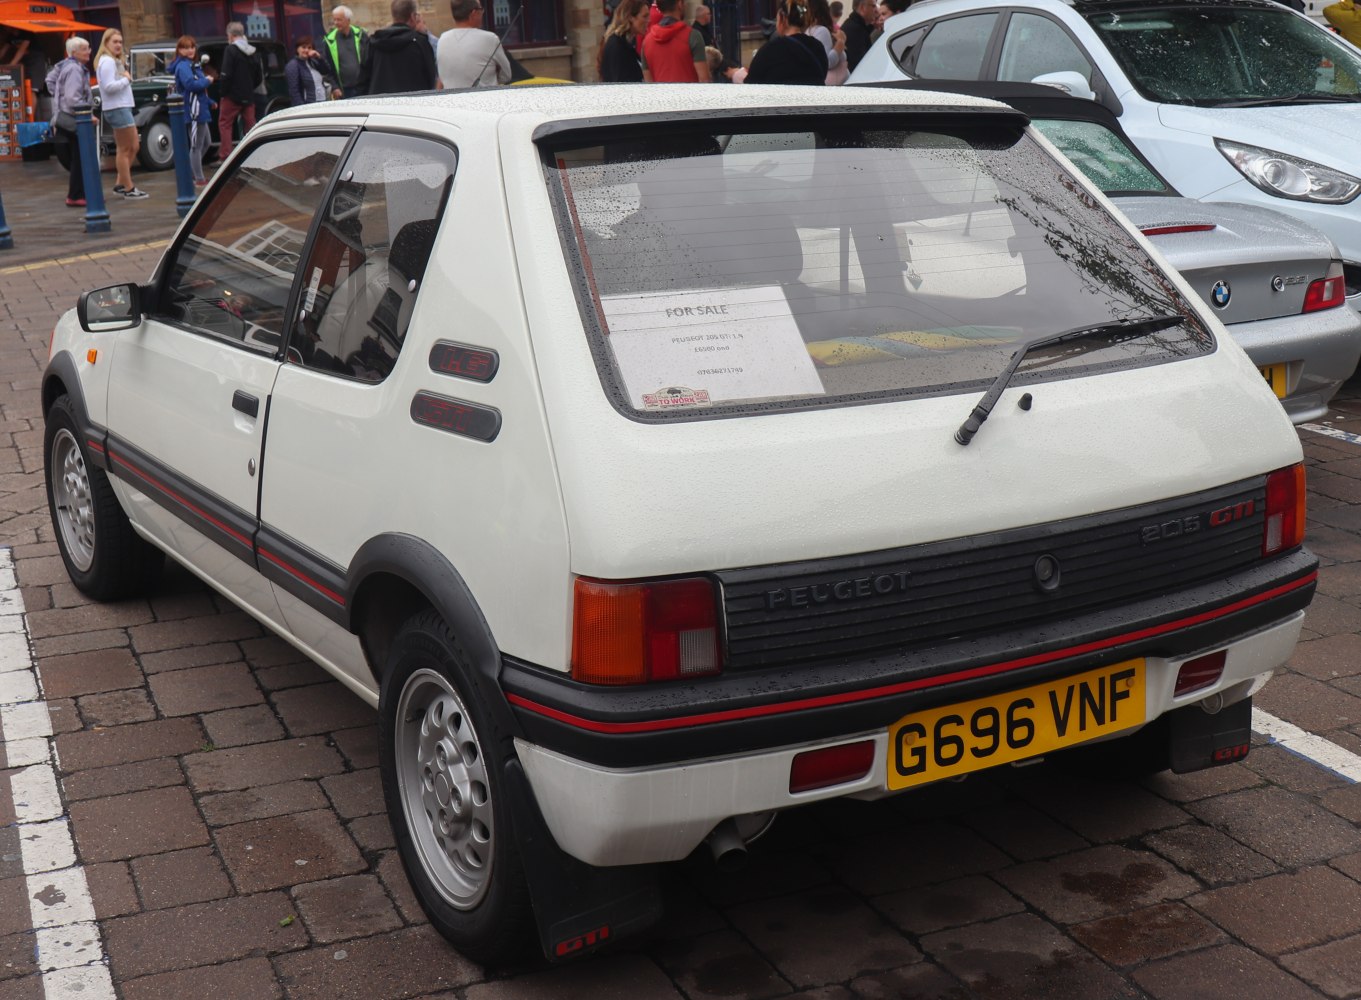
627	448
1232	100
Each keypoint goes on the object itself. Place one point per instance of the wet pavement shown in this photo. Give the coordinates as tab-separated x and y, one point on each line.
223	803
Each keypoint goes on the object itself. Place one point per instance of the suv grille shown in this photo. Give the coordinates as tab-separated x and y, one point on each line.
850	607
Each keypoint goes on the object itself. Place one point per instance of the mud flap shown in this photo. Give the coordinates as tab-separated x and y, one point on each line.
1198	740
580	908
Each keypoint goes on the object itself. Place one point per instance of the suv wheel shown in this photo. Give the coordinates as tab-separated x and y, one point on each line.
105	558
158	147
440	754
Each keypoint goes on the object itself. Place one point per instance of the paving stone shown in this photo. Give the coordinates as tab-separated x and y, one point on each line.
1230	971
202	934
1349	865
159	636
87	618
266	763
128	744
359	745
919	855
271	651
1269	820
1095	883
1203	784
1148	934
358	793
14	916
227	808
251	977
111	889
1020	958
1023	831
405	963
190	656
372	833
80	642
89	673
236	727
923	981
342	908
289	675
180	877
933	908
1332	543
18	959
1342	580
1209	855
287	850
718	966
822	935
116	708
394	879
30	988
1335	968
119	779
65	716
138	823
321	708
188	598
1334	655
1286	912
1100	810
621	978
205	689
1308	703
1345	801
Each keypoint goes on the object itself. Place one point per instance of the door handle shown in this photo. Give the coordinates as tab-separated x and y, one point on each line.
246	403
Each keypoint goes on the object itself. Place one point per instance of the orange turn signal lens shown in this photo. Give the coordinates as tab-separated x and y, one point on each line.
633	633
1285	510
91	355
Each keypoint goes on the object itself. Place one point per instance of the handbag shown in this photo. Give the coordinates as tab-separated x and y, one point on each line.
65	121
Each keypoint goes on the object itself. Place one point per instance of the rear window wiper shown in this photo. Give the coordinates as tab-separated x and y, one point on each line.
1131	328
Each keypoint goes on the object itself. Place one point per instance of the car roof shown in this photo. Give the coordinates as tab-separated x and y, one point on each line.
590	104
1102	6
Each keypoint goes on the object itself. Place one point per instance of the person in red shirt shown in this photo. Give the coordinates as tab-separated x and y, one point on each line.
673	50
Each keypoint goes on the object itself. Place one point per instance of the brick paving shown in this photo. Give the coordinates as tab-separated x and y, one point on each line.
223	796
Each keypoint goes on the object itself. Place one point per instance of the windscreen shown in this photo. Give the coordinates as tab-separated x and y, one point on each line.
724	271
1103	156
1226	55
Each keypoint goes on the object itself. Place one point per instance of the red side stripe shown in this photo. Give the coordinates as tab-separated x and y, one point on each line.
848	697
95	445
294	571
182	501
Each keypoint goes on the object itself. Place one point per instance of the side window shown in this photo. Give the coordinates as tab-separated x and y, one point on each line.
367	264
955	49
232	274
903	46
1035	45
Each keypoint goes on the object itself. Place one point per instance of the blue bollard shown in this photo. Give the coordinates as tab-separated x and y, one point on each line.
179	141
96	215
6	241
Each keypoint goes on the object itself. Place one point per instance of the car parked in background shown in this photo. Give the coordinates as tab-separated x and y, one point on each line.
1232	100
152	82
659	459
1275	283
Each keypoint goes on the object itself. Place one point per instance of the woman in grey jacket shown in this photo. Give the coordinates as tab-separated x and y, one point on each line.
69	84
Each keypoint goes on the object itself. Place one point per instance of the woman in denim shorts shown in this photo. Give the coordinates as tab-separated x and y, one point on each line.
115	98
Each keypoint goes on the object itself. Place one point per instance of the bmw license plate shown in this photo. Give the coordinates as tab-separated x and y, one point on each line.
956	739
1275	377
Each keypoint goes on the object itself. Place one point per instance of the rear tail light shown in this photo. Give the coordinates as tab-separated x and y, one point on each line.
831	766
1200	672
1325	293
1197	227
1284	526
633	633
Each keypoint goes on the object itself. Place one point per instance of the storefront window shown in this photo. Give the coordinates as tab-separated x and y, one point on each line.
261	20
540	23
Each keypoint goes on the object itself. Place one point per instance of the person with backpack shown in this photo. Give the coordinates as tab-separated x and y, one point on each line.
193	85
242	72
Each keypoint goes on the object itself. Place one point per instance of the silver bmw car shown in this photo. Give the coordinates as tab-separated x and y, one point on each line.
1274	282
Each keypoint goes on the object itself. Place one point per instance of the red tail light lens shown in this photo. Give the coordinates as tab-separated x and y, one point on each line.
1200	672
633	633
1325	293
1285	497
1189	228
831	766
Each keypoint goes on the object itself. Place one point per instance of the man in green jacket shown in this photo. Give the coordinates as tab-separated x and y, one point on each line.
347	51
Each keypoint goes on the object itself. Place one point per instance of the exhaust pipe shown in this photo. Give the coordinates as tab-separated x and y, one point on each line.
728	847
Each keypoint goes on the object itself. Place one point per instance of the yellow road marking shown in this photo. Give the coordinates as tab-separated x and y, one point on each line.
78	258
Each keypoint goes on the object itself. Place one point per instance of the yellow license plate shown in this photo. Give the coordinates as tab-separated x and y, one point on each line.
973	735
1275	377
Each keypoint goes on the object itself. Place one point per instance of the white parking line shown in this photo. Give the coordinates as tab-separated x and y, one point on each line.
69	950
1332	432
1324	753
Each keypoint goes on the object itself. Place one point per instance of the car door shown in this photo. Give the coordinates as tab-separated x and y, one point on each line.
189	387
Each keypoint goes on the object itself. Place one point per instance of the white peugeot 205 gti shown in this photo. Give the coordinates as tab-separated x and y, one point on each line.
658	459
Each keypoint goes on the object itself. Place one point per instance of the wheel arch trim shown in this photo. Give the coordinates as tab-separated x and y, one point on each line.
61	378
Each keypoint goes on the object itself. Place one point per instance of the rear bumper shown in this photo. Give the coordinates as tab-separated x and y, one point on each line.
627	776
1321	349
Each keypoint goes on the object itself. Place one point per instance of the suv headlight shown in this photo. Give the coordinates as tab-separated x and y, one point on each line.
1288	176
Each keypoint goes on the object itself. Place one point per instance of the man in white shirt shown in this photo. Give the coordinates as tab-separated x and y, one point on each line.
468	55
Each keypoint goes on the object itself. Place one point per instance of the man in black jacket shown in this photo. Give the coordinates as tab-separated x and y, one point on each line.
858	28
402	57
241	72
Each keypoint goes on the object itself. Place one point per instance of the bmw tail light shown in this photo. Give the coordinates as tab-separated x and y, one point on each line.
1325	293
633	633
1285	495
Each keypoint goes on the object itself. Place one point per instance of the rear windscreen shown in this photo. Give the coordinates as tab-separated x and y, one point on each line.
722	271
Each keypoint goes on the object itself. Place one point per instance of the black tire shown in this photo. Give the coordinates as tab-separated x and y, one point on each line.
469	881
158	146
104	557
